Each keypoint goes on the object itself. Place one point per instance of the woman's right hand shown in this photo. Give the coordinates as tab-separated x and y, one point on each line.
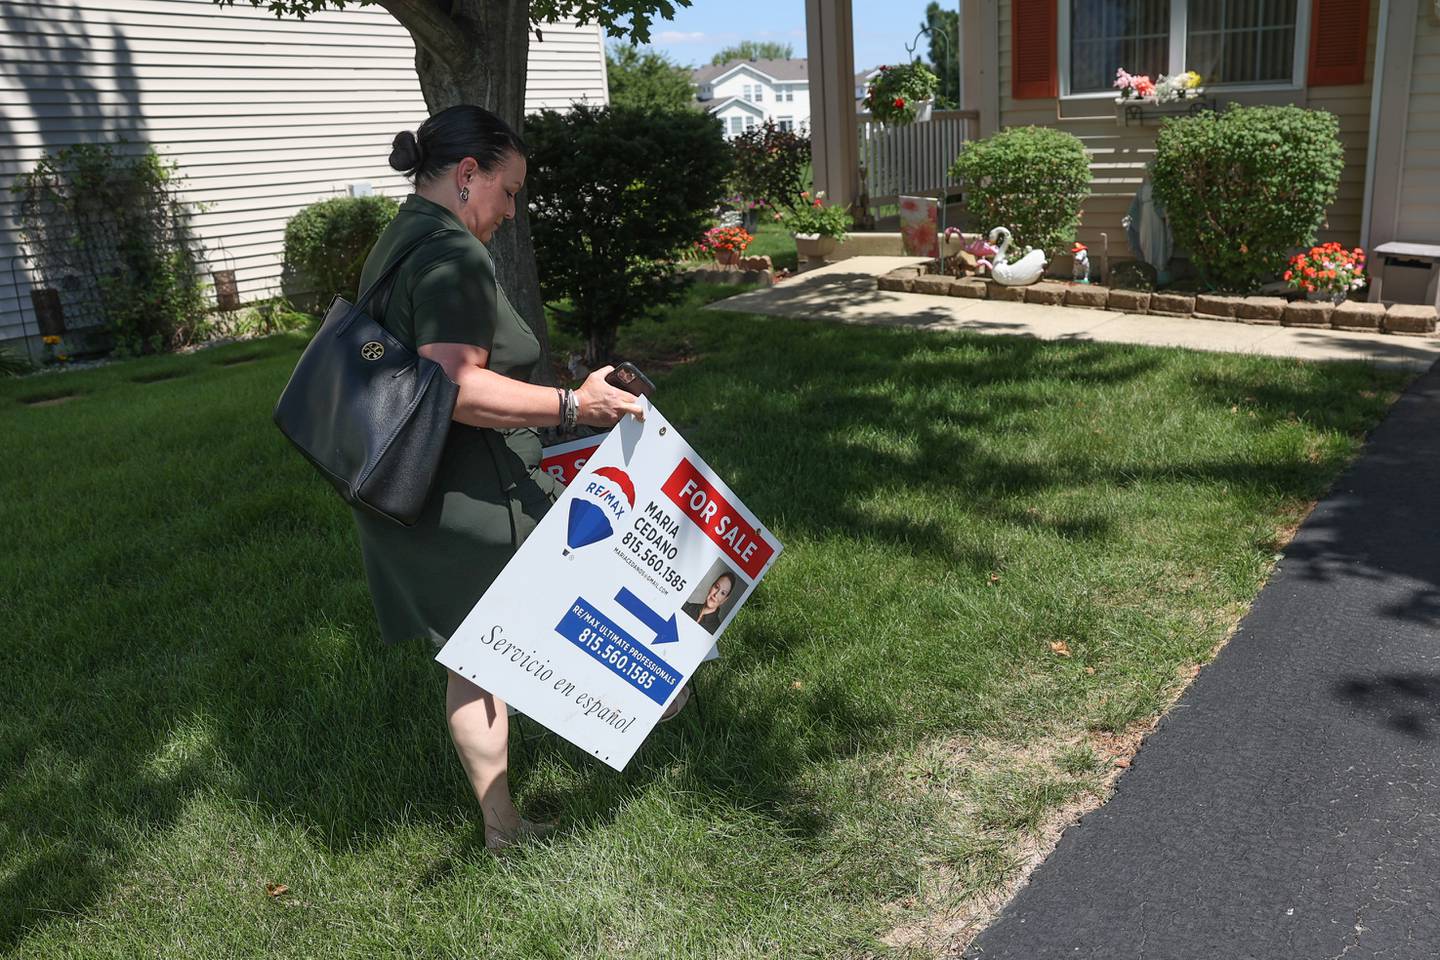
602	405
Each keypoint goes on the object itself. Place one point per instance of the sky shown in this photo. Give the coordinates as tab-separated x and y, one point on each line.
882	28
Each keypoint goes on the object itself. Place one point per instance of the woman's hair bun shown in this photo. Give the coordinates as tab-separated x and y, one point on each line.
405	152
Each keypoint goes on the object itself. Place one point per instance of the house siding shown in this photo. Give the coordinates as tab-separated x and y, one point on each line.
1419	212
1119	154
263	116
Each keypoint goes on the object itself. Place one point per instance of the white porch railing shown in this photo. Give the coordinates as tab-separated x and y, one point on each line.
915	159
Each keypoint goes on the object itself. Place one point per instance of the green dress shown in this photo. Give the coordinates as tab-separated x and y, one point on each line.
489	492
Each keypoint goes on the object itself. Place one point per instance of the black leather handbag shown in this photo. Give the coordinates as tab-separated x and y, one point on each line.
371	414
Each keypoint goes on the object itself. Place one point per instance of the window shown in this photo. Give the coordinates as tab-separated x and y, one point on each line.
736	125
1108	34
789	94
787	123
759	93
1233	41
1225	41
749	124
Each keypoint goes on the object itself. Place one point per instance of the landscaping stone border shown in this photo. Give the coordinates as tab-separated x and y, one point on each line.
1405	319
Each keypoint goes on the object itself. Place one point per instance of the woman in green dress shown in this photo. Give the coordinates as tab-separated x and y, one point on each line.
489	492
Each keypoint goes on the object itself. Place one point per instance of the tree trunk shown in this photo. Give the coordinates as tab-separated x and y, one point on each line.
490	72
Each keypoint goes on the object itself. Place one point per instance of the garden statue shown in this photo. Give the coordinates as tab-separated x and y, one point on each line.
1148	230
1080	271
983	251
1022	272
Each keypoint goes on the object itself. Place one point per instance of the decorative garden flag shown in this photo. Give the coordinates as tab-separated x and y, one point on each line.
919	226
618	594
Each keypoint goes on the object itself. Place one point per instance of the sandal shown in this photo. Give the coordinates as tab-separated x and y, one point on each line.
676	705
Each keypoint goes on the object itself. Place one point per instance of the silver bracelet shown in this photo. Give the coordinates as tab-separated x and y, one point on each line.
572	410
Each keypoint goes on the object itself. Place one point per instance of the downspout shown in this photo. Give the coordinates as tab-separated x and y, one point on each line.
1382	44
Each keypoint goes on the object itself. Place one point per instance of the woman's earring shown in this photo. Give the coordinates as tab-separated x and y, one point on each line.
464	194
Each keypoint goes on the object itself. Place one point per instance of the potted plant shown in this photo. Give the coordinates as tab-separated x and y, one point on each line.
726	244
902	94
816	227
1327	272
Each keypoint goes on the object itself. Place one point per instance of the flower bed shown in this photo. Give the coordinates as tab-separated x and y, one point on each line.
1401	318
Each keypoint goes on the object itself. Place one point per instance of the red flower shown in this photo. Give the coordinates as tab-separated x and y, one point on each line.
899	102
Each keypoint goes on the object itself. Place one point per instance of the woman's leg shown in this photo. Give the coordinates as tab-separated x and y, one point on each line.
481	731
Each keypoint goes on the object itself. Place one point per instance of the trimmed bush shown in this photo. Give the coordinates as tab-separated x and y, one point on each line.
618	193
1031	180
1244	188
326	243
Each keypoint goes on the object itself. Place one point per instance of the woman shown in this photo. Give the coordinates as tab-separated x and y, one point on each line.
707	614
467	166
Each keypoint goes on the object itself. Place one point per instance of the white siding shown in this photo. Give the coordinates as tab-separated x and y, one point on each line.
1419	220
264	116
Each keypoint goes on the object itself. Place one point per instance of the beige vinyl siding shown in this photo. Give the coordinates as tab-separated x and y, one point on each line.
1419	220
263	116
1119	154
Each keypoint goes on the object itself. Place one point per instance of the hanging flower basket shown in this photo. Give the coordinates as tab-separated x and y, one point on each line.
902	94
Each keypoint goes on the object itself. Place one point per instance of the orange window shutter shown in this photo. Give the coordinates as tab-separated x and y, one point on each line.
1034	73
1339	33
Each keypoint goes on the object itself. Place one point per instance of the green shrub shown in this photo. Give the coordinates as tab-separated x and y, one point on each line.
1031	180
327	242
771	166
617	194
1245	187
106	226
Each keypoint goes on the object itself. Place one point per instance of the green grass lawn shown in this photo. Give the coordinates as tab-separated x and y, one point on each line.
196	703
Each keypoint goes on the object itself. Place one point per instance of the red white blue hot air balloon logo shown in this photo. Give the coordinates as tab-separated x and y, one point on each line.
608	494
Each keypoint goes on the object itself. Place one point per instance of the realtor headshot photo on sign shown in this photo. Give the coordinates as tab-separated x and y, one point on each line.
715	596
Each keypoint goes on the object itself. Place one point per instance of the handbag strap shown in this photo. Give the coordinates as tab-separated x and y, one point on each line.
386	276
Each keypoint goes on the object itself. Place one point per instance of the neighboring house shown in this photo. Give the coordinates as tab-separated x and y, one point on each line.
263	116
746	93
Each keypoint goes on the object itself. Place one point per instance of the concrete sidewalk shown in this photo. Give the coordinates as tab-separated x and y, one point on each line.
1288	807
846	292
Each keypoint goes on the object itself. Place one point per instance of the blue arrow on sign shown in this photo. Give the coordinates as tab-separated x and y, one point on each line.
666	631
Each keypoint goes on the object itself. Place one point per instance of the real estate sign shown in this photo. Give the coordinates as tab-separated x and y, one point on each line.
618	594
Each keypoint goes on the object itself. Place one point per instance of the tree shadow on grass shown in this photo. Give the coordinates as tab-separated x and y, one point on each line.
237	618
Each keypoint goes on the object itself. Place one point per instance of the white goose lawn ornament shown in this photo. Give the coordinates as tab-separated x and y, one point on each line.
1022	272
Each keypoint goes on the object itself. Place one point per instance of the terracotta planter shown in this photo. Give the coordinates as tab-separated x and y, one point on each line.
814	248
727	258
